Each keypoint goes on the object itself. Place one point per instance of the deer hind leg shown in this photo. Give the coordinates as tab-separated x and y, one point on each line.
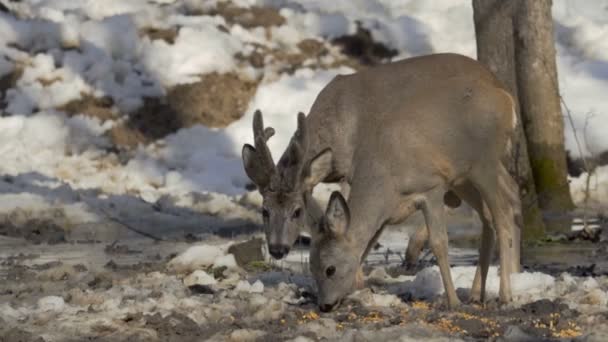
434	215
468	193
509	186
486	181
415	246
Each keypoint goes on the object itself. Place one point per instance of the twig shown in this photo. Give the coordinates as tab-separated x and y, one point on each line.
129	227
584	159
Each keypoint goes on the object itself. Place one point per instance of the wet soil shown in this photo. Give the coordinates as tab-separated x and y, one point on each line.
34	230
25	279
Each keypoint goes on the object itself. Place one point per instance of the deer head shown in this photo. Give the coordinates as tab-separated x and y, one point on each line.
334	261
284	187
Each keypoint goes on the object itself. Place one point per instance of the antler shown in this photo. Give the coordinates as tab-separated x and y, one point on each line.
261	136
258	161
258	127
292	163
301	141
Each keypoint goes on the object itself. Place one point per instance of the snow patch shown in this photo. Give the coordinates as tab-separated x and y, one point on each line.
199	277
245	286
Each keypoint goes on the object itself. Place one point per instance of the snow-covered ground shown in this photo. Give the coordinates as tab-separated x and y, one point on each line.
70	49
65	166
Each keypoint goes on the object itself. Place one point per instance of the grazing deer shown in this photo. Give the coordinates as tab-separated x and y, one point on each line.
416	131
413	129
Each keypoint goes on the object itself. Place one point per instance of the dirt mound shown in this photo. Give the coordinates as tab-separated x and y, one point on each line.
254	16
215	101
154	120
168	34
100	108
10	80
35	230
362	47
310	55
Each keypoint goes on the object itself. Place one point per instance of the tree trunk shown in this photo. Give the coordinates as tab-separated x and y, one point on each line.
540	108
496	49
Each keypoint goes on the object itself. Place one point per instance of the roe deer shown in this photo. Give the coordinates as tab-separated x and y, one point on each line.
410	131
286	188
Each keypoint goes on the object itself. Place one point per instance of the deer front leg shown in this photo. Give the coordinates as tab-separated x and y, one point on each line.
360	281
434	214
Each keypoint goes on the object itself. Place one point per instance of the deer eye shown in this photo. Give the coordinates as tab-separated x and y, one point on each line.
265	213
330	271
296	213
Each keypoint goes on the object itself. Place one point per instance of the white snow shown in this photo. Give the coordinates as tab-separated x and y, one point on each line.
199	277
197	257
580	293
51	303
598	189
245	286
185	60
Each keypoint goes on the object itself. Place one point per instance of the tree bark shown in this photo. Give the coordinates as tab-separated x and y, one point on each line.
539	100
496	49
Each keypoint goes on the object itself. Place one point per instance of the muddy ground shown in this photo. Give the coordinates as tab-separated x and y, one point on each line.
127	291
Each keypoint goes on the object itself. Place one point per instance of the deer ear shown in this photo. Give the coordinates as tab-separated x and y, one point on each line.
337	214
319	168
253	167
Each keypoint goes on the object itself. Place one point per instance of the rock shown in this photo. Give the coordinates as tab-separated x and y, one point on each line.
201	289
247	252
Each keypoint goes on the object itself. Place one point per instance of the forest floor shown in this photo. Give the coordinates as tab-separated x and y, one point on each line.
189	288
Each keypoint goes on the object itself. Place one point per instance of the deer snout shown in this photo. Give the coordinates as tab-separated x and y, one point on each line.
278	251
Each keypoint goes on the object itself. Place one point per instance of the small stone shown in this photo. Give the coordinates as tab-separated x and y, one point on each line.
201	289
247	252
